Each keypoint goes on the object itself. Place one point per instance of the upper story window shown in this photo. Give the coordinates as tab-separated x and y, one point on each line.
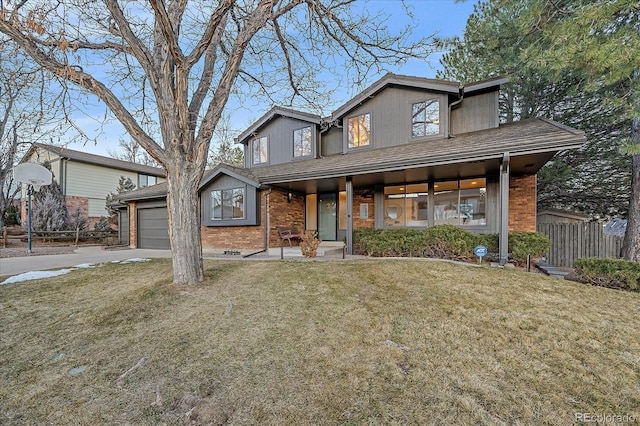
359	131
260	150
302	142
146	180
227	204
425	118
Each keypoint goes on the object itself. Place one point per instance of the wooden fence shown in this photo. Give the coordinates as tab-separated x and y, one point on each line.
570	241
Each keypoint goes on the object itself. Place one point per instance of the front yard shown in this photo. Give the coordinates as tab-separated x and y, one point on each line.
362	342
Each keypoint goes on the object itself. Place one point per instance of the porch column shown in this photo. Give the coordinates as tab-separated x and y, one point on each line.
349	188
504	210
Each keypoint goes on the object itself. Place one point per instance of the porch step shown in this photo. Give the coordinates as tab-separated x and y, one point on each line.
551	270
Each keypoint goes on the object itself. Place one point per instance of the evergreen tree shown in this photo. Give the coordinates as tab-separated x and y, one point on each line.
124	185
597	42
49	209
594	179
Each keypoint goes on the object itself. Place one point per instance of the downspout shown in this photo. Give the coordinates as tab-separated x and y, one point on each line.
265	237
451	107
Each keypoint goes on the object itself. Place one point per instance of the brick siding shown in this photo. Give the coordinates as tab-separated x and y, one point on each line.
363	196
133	225
522	203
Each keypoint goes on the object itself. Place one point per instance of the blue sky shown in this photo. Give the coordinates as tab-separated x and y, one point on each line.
442	17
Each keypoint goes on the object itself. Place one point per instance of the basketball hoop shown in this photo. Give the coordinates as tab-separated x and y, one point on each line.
35	176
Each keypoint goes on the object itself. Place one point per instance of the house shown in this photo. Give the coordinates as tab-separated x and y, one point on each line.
561	216
87	179
406	152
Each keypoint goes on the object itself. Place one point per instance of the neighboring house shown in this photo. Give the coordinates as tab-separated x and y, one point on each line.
87	179
406	152
561	216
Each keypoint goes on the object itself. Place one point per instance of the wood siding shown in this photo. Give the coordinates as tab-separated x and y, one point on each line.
475	113
279	133
251	202
570	241
331	142
391	117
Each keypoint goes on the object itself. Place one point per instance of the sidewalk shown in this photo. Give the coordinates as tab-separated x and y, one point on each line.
92	254
96	254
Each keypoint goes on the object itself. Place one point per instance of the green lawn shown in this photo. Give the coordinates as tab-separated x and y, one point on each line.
358	342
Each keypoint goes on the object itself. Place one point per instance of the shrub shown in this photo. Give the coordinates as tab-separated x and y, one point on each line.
449	242
102	225
522	244
490	241
309	244
12	216
389	242
610	273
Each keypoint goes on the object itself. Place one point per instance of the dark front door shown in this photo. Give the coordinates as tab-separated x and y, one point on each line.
327	217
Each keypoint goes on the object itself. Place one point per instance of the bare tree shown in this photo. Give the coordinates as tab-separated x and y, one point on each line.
130	150
30	110
223	147
169	66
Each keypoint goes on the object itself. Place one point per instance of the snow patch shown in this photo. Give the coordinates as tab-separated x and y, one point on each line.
35	275
38	275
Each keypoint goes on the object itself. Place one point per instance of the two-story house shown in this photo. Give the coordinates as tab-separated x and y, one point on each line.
87	179
406	152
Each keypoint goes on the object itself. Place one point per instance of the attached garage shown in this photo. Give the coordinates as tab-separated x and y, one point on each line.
153	228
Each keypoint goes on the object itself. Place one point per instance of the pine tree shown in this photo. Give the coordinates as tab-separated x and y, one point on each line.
594	179
49	209
124	185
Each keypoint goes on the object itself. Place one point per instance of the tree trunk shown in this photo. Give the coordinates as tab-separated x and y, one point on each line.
184	222
631	243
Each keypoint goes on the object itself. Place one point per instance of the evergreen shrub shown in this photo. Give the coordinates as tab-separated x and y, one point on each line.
522	244
610	273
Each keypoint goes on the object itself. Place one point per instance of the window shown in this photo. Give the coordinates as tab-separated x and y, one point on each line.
227	204
302	142
461	202
260	150
359	131
146	180
406	205
425	118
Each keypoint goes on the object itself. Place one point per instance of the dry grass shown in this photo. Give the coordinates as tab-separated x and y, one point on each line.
366	342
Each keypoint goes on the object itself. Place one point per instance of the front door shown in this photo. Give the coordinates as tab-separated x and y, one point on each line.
327	217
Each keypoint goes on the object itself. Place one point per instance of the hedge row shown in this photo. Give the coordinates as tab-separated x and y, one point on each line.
445	242
610	273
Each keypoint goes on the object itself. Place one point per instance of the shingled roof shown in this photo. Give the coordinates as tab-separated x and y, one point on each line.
521	138
97	160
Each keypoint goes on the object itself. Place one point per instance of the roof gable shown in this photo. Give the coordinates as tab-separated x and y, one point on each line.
271	115
243	175
97	160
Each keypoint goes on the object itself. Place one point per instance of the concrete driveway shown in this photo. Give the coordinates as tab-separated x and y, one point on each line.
93	254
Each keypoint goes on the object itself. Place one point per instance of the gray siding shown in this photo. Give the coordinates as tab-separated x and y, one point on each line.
251	202
331	142
279	133
123	226
475	113
391	117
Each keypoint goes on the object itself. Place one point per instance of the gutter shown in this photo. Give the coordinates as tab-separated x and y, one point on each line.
451	107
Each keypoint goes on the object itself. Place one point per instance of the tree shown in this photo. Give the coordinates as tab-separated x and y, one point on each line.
223	149
49	209
31	109
131	151
170	67
599	42
124	185
594	179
